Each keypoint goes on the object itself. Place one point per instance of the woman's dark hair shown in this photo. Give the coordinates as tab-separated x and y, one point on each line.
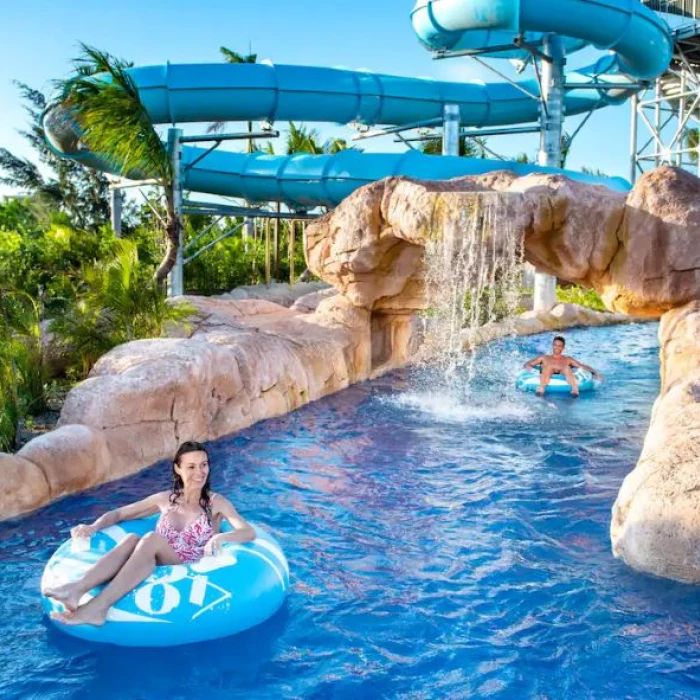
559	337
178	485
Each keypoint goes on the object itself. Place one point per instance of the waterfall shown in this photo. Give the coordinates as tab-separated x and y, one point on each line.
473	269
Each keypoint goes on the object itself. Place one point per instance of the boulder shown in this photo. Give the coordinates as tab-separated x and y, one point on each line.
71	458
279	293
656	518
23	486
640	251
309	302
657	264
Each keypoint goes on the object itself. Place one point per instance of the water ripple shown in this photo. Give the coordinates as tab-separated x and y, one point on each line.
445	542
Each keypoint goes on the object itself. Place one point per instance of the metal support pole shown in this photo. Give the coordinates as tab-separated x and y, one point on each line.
657	118
634	102
450	131
291	242
276	246
551	123
681	123
116	201
267	252
248	232
176	278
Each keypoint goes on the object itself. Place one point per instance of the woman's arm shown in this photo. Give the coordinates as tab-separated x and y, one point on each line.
533	363
242	531
140	509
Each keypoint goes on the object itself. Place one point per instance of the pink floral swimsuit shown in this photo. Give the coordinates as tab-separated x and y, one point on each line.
189	542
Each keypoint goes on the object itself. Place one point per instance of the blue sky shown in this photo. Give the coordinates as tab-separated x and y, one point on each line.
38	39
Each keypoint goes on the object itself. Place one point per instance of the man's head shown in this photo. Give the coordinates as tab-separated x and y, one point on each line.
558	345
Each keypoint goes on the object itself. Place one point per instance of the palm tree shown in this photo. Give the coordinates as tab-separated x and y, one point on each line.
79	192
566	143
23	370
335	145
302	140
692	140
234	57
114	123
116	302
217	127
468	148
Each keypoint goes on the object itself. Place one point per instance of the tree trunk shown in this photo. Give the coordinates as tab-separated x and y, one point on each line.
172	232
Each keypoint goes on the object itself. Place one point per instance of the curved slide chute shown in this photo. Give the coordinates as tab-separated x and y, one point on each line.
639	39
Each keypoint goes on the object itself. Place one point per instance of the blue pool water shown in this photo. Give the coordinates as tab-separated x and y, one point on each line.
445	542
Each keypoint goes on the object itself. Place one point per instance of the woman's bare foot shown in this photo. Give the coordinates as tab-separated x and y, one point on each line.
69	594
85	615
539	392
575	394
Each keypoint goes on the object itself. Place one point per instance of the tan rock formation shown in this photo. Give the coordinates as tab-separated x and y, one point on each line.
309	302
656	518
23	486
279	293
657	264
72	458
233	364
239	361
640	251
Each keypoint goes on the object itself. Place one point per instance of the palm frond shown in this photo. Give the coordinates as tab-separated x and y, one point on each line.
335	145
19	172
232	57
235	57
107	106
302	140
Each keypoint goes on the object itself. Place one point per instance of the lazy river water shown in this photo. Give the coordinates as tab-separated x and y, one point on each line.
444	542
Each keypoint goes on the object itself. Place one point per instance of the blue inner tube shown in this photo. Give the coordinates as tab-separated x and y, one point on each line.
214	597
529	380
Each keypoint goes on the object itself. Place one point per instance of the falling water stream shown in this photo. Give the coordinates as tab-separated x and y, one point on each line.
473	273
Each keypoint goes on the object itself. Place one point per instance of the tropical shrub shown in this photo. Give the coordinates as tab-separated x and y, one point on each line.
582	296
23	369
116	301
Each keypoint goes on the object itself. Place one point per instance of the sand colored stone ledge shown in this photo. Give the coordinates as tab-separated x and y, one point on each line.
655	524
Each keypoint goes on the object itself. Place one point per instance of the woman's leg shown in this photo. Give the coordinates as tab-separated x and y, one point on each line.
151	551
544	380
572	381
104	569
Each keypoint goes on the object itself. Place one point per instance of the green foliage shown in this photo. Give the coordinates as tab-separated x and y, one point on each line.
112	118
301	139
33	250
566	143
493	304
581	296
116	301
692	140
234	57
233	262
468	148
23	369
62	185
594	171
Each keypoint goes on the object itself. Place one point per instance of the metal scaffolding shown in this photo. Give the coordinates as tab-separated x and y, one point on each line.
666	115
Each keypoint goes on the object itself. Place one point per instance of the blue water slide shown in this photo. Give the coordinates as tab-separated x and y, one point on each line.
638	39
